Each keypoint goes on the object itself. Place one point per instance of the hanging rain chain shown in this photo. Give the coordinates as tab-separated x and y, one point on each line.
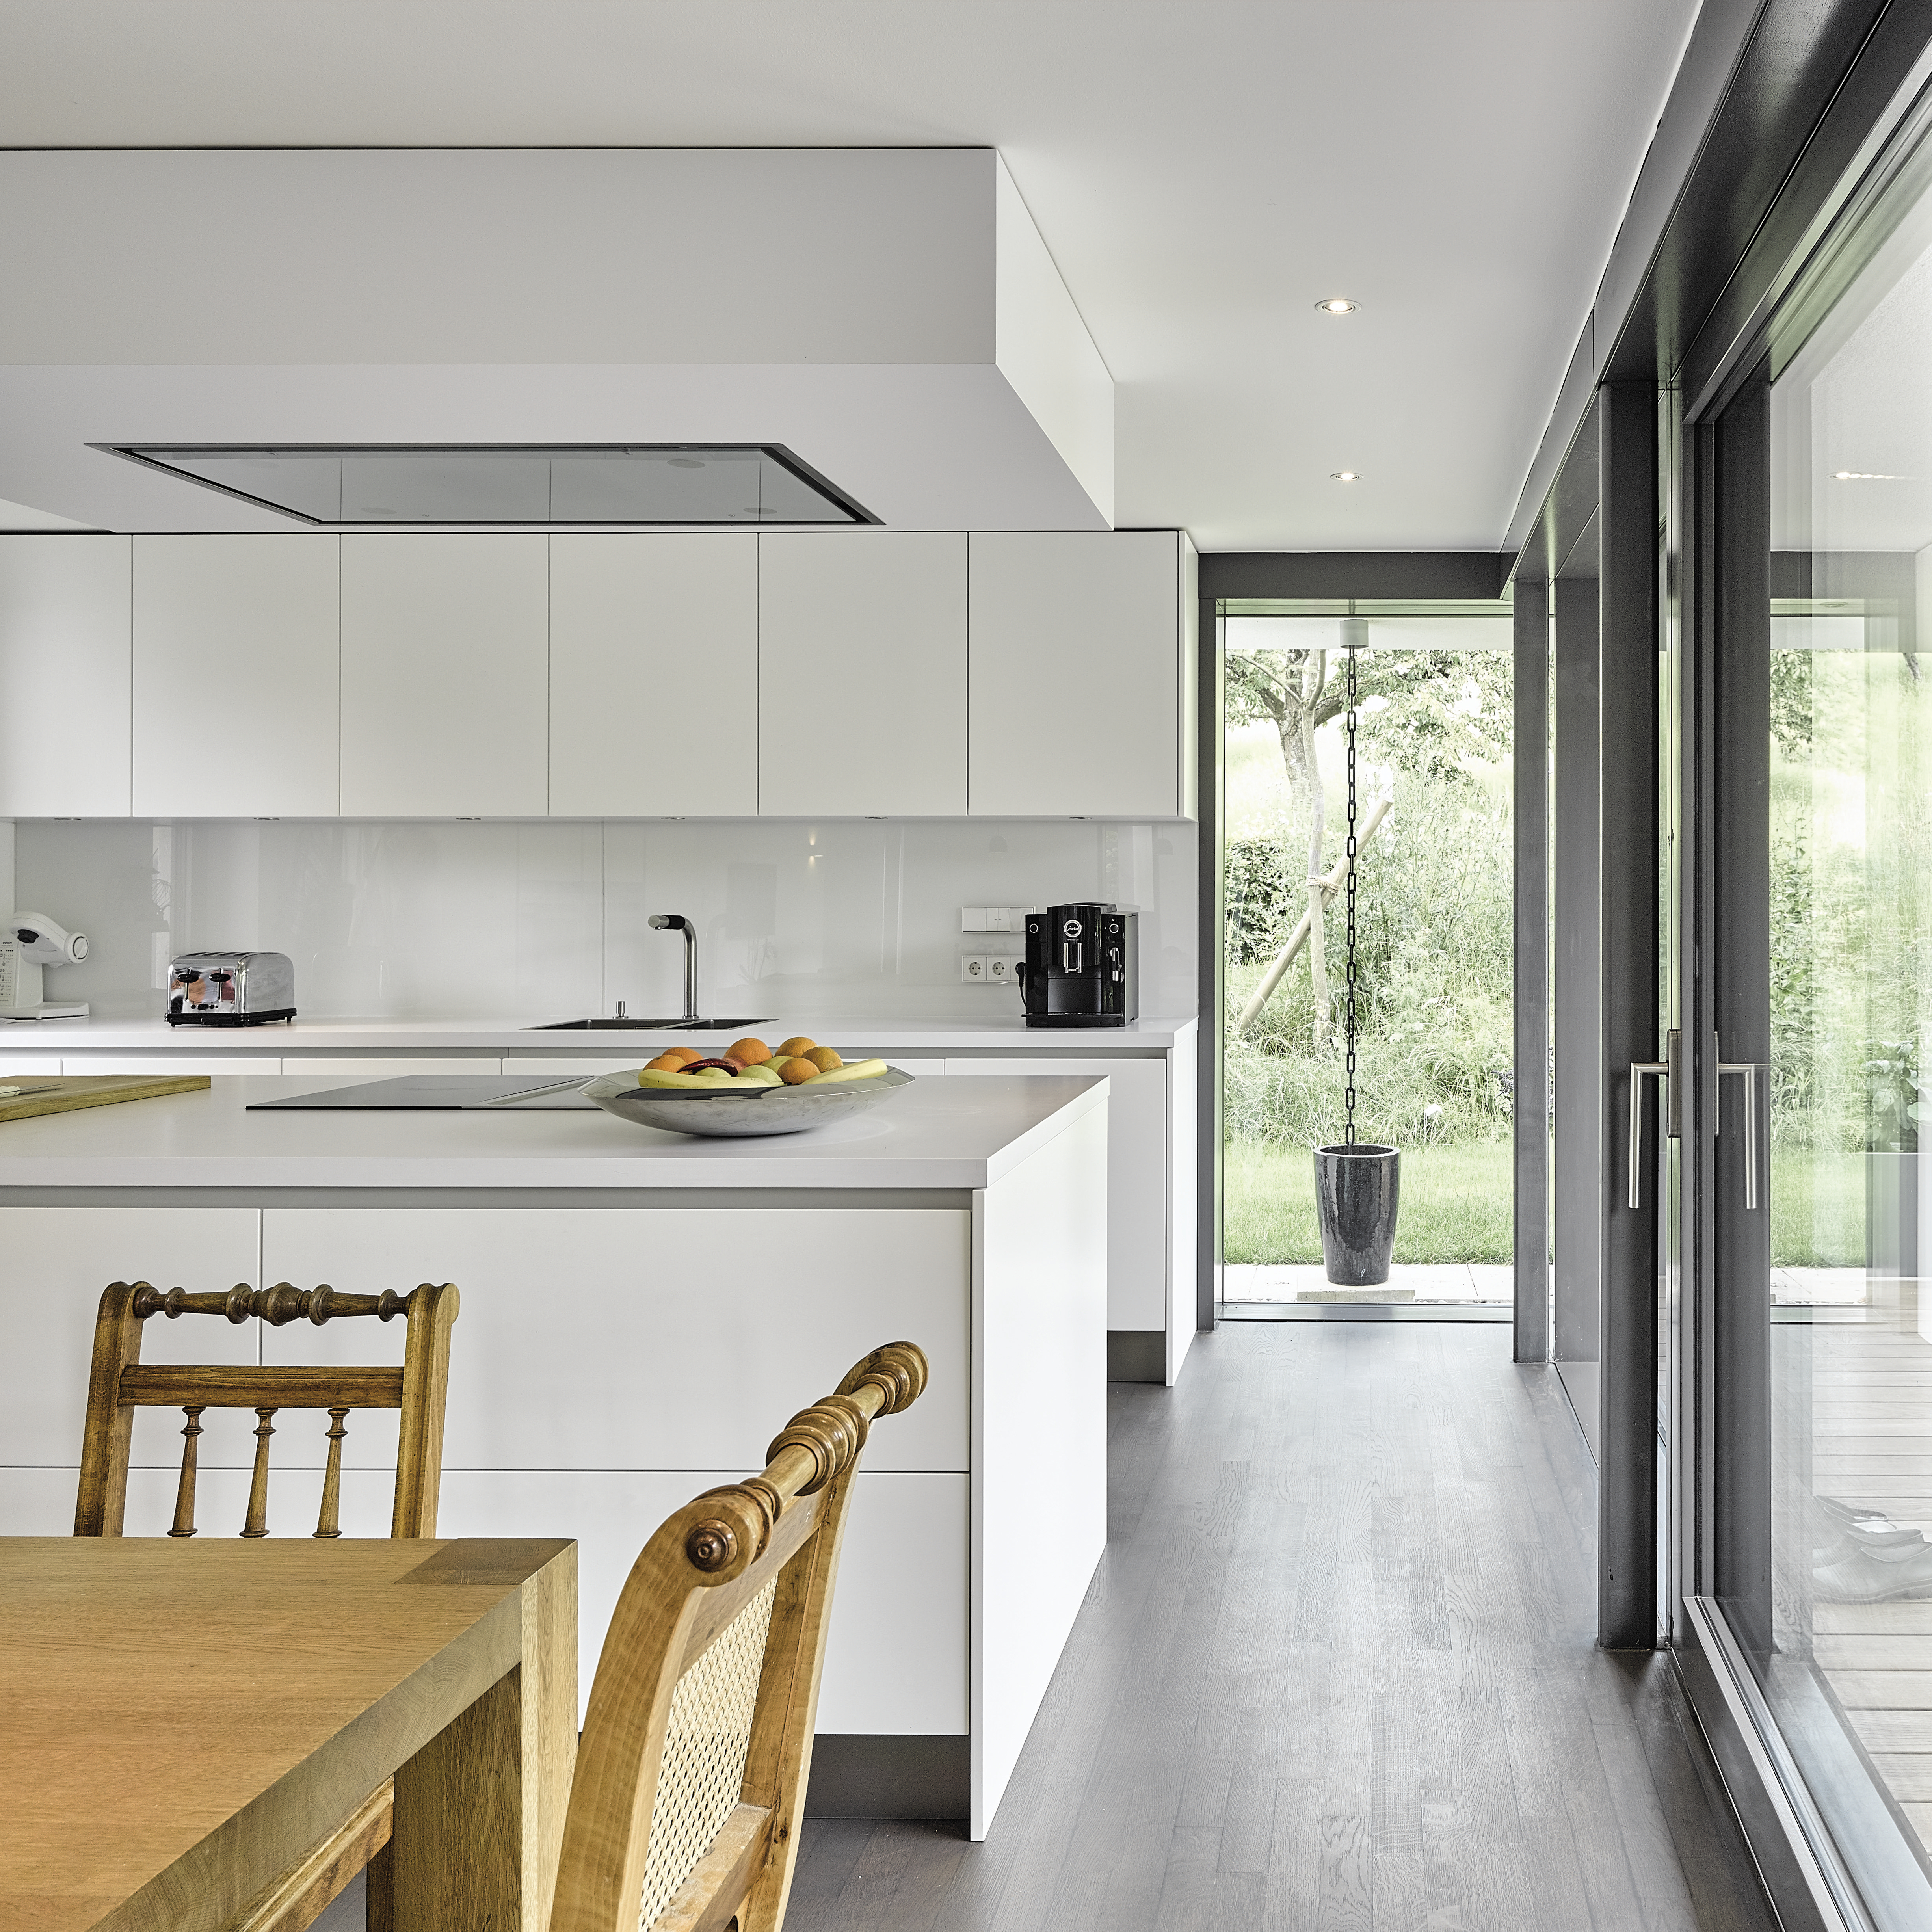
1348	1010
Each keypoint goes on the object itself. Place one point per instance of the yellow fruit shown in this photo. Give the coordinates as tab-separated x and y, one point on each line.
858	1070
749	1052
758	1076
824	1058
795	1047
655	1076
795	1073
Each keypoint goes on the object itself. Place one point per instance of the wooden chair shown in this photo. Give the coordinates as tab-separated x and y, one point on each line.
121	1382
690	1780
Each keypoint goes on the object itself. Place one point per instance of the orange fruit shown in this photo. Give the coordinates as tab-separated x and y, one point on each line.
795	1072
797	1044
749	1052
824	1058
682	1055
665	1063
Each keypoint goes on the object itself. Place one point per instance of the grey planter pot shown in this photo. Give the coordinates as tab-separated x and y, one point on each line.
1356	1193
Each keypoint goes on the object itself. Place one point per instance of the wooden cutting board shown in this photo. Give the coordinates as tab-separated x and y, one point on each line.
41	1094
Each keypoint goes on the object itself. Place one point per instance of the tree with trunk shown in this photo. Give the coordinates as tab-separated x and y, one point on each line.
1423	712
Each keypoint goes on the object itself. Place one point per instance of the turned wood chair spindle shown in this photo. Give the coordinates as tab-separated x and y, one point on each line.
121	1383
689	1786
184	1489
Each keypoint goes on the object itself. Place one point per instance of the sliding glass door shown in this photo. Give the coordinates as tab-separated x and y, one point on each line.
1811	1083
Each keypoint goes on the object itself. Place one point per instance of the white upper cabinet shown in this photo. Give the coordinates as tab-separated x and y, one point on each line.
861	674
65	680
445	685
654	676
1083	675
237	676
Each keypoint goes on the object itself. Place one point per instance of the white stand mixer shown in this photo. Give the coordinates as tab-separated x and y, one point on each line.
29	943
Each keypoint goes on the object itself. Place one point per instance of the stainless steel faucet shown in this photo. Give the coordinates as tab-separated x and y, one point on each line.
663	921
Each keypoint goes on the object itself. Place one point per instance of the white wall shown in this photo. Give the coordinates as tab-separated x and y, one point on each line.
546	919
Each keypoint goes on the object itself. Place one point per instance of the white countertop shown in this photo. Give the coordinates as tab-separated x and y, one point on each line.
948	1134
528	1036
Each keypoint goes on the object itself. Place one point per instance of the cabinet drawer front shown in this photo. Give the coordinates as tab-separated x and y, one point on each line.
602	1338
898	1658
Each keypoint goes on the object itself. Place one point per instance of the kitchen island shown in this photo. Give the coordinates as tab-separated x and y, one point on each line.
641	1311
1150	1062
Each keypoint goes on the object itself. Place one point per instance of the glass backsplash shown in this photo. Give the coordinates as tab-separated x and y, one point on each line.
542	919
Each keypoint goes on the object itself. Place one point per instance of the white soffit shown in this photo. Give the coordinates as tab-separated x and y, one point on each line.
1201	174
890	316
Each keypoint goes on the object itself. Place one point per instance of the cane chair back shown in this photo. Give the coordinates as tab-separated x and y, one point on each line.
690	1781
121	1382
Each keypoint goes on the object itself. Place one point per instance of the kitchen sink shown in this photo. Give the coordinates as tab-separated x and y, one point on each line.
628	1025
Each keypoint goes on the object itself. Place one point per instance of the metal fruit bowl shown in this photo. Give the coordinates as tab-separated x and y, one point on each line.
731	1113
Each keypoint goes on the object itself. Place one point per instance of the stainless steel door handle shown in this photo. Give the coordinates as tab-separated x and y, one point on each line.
1639	1068
1748	1069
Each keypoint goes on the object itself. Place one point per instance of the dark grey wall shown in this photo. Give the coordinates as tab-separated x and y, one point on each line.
1577	944
1531	1044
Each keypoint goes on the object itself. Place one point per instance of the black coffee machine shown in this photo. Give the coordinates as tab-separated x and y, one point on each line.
1082	966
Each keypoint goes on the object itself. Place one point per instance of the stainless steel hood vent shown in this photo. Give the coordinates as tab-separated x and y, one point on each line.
511	483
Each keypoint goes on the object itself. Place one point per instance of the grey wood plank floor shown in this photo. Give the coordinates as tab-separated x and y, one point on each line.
1336	1672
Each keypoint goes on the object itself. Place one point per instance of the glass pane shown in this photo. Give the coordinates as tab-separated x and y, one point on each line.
1434	937
1849	1672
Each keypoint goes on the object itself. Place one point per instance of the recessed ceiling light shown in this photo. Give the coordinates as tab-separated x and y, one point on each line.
1343	476
1337	305
1864	476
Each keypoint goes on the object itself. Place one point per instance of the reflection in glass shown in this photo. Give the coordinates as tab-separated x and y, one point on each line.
1848	1673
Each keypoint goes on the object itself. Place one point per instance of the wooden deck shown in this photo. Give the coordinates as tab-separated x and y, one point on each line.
1871	1446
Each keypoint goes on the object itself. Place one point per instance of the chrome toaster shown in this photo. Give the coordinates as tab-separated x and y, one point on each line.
230	988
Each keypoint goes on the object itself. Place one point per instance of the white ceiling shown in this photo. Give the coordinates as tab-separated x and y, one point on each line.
1203	173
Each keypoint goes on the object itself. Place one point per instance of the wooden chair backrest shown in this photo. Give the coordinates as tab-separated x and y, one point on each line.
690	1781
121	1383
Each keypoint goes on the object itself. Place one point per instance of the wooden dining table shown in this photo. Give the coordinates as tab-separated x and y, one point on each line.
183	1723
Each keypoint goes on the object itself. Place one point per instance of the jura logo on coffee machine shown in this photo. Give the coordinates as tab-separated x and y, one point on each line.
1082	966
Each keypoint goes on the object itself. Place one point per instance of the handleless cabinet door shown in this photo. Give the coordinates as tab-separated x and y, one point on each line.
445	695
654	676
65	677
238	677
1082	675
861	674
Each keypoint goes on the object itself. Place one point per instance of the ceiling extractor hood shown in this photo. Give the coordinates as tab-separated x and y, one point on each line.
512	483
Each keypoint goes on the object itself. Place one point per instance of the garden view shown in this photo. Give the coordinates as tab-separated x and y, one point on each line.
1433	925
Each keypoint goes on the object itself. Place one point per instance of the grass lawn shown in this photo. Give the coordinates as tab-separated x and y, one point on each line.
1817	1208
1456	1203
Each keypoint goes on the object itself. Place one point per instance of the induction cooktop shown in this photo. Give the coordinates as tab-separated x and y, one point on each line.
447	1093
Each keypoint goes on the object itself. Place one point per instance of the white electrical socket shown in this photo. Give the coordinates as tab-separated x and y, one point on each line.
999	970
973	968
